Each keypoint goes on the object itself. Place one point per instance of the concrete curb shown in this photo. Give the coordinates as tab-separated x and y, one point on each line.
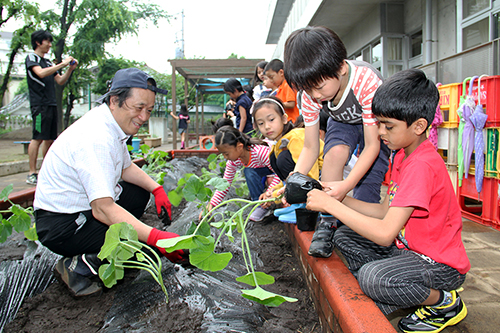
11	168
341	305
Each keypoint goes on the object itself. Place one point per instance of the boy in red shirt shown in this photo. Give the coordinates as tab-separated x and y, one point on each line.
407	250
274	72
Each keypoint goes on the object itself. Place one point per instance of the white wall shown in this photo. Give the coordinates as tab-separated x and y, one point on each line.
364	33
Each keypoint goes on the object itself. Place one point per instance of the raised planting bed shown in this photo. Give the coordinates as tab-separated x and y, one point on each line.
334	301
152	142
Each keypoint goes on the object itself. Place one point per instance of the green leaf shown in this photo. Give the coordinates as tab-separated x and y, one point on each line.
21	221
4	195
217	225
211	158
111	240
183	242
229	233
194	187
160	178
110	274
140	257
124	252
265	297
31	233
5	230
218	183
262	279
144	148
205	259
203	230
175	198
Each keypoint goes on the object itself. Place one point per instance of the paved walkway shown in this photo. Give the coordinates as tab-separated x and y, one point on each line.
481	288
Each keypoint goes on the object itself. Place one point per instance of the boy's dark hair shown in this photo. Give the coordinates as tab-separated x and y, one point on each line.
220	123
256	79
312	55
39	36
275	65
407	96
228	135
232	85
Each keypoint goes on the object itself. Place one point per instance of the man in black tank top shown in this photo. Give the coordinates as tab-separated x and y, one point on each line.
41	75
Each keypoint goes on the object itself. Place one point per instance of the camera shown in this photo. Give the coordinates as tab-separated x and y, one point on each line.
229	107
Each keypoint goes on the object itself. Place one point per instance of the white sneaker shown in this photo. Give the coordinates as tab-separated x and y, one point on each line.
32	179
259	214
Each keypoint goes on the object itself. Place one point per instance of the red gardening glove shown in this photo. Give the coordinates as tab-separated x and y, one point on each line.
155	235
163	205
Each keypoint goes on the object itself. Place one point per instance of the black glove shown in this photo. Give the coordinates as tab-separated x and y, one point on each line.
297	187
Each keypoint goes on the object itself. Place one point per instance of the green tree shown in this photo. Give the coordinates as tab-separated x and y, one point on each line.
22	88
19	10
107	70
94	23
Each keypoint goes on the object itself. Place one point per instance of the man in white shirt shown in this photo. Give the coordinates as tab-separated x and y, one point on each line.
88	182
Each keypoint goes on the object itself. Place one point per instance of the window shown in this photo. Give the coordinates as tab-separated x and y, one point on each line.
472	7
376	52
496	26
477	22
475	34
416	44
366	54
394	49
393	69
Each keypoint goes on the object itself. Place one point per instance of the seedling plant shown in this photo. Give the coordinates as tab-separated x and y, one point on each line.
156	161
202	245
19	218
120	246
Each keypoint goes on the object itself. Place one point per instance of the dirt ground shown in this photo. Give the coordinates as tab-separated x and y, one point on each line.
54	310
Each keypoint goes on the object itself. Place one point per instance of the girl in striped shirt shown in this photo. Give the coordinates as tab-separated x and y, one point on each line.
240	150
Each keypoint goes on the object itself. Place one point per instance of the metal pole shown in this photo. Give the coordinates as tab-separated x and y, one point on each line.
428	31
197	122
174	109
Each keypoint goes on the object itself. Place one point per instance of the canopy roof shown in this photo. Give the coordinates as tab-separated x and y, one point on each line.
209	75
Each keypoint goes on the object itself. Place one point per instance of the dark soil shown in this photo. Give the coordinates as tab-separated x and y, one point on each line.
54	310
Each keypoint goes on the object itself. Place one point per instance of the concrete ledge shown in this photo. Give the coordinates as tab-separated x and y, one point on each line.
12	168
341	305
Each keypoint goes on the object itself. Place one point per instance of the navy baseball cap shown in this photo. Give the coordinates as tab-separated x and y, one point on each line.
132	78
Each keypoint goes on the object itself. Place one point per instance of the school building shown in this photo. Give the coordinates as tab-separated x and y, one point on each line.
448	39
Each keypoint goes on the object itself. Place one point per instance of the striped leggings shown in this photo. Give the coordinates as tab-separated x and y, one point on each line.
394	278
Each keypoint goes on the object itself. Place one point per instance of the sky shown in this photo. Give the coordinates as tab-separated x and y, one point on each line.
213	29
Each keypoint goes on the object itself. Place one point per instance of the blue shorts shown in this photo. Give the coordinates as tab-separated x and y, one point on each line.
182	130
368	188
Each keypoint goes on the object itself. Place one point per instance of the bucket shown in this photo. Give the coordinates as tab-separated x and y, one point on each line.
306	219
135	144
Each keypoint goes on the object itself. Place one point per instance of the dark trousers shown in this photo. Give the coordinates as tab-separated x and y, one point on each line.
352	135
254	178
394	278
79	233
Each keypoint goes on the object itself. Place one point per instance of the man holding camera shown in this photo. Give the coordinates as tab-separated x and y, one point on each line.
41	74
